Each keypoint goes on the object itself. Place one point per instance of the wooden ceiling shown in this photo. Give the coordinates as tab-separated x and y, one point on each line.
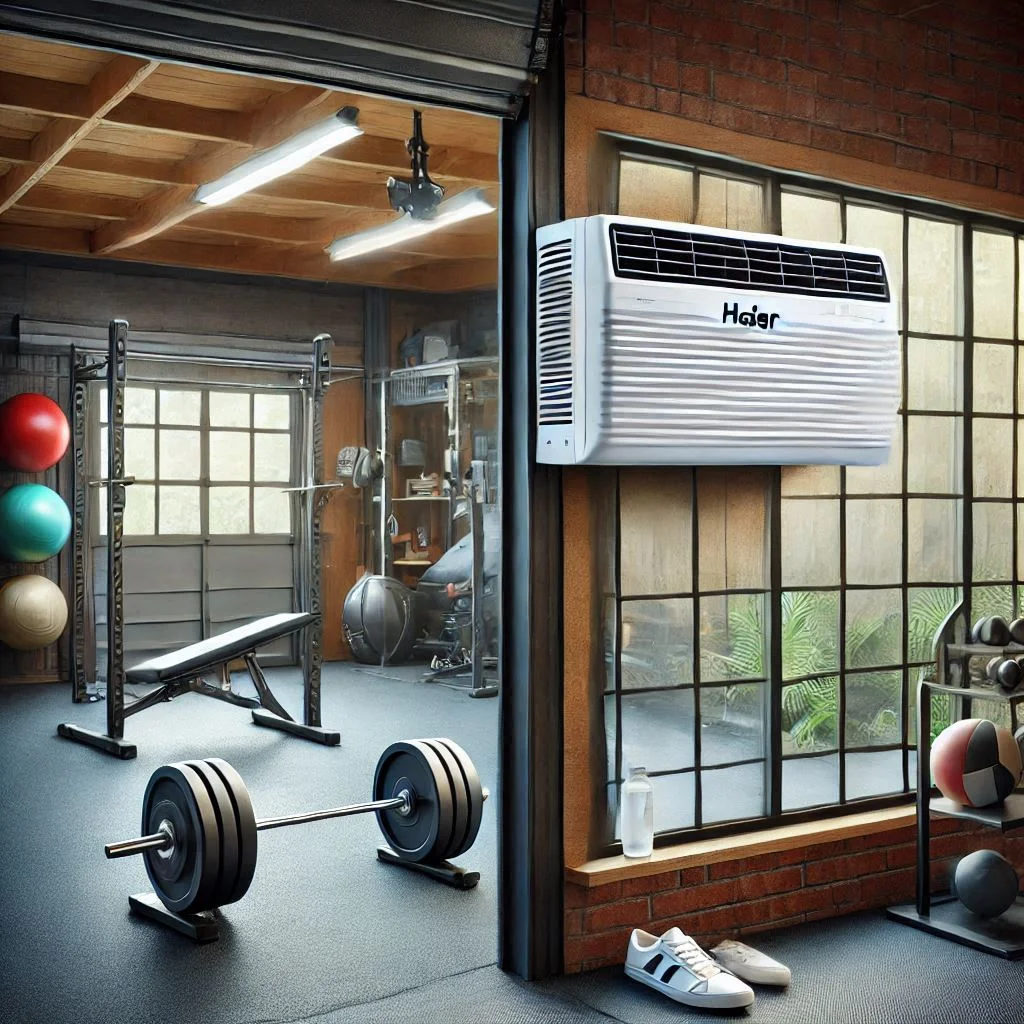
100	154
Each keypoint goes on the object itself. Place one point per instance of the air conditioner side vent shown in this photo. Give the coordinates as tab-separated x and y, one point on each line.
554	333
655	253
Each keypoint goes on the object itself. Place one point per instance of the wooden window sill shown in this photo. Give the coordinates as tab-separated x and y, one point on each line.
714	851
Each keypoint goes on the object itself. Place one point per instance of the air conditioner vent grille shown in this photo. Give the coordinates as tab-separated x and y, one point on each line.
554	333
648	253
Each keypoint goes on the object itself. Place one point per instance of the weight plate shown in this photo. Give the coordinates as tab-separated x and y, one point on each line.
422	834
227	850
459	797
475	790
245	820
184	876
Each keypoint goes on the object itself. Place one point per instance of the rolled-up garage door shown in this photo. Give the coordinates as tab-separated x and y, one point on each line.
476	54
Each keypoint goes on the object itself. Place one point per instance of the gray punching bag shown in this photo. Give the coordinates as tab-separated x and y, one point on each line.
378	620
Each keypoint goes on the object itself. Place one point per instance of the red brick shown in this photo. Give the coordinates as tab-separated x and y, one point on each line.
941	63
631	10
867	147
664	44
713	894
602	58
695	80
798	132
890	74
633	37
725	115
749	865
573	53
845	893
824	34
860	67
634	65
743	63
589	947
1009	180
694	108
852	90
961	117
801	78
901	856
854	40
574	81
852	16
851	866
829	111
669	19
877	890
650	883
957	92
574	896
766	883
574	922
665	72
599	30
984	174
697	875
600	894
799	902
861	119
599	919
889	124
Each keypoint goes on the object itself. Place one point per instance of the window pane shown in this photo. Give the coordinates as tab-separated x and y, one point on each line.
934	277
99	396
609	735
993	378
179	510
139	509
139	405
810	782
272	412
656	533
928	608
733	511
935	375
992	460
272	457
810	715
885	479
730	794
229	409
179	455
729	203
733	638
993	533
1020	287
812	217
874	773
658	191
732	721
933	540
880	229
139	453
874	628
991	601
874	710
229	510
229	455
271	510
810	633
822	480
657	730
992	260
673	802
657	643
180	407
934	462
807	563
874	540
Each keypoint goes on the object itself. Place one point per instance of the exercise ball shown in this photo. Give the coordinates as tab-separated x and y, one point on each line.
379	621
34	523
985	883
34	432
975	762
33	612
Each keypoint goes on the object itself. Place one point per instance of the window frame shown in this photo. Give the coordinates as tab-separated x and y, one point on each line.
621	148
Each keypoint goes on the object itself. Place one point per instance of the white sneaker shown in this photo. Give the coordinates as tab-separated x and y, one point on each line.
677	967
750	964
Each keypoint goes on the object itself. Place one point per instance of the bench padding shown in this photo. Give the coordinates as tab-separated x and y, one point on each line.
206	655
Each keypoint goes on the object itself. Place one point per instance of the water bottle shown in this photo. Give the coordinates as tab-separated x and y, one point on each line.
637	814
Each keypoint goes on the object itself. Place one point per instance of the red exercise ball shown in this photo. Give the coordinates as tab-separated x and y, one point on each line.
34	432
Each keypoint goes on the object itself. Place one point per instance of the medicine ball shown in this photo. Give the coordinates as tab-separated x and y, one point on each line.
34	523
33	612
985	883
975	762
34	432
379	621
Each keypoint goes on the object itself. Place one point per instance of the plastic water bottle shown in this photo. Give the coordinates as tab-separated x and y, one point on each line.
637	814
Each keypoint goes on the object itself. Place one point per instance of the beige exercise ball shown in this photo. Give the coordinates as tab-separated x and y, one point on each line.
33	612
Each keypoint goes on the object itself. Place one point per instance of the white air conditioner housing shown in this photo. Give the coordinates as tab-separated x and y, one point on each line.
673	344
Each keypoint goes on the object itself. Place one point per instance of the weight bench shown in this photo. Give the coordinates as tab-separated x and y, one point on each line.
184	671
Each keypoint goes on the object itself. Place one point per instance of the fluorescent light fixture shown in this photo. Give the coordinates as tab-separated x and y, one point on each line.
471	203
283	158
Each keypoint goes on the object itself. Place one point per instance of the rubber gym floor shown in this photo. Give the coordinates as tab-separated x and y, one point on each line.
326	932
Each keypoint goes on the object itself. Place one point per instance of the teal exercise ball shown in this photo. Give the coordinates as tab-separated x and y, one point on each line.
34	523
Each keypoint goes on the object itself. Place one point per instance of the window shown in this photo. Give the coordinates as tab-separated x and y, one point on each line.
764	640
206	462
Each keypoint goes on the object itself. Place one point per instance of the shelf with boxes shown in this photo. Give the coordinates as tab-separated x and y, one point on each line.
965	671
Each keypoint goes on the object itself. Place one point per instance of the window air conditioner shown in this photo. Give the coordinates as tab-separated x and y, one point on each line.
672	344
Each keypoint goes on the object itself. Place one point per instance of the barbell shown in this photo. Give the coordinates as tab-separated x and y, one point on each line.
199	827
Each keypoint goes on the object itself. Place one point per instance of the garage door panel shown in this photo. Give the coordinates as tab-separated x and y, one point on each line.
249	566
243	605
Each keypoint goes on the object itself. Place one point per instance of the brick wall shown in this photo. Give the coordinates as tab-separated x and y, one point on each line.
940	90
740	897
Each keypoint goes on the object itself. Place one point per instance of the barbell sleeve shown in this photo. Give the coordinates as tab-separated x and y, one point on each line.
129	847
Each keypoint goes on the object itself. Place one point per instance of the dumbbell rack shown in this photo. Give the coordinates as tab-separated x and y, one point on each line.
945	915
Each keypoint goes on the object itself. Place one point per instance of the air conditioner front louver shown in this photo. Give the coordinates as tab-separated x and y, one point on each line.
554	333
642	253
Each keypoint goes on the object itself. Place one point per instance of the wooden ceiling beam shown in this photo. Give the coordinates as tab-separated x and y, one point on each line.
41	96
48	199
108	87
390	155
280	118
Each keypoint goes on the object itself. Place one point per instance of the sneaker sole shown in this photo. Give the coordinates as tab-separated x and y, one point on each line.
717	1002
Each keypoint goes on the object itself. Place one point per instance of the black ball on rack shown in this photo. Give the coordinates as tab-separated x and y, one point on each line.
985	882
1008	674
992	631
1017	631
992	667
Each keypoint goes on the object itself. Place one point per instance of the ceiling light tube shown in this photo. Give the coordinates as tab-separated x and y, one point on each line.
283	158
471	203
